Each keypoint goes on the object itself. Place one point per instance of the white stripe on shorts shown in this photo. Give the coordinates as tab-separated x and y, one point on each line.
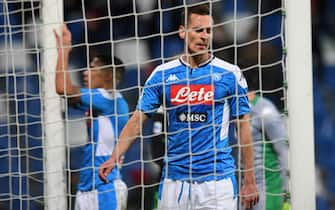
121	194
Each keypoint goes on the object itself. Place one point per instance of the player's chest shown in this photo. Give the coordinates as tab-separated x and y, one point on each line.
203	88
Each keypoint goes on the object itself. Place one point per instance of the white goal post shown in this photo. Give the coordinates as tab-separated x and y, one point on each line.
300	104
54	147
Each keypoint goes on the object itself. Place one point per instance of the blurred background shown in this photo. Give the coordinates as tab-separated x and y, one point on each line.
144	34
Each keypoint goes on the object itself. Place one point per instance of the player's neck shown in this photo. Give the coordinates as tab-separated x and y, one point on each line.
109	87
195	60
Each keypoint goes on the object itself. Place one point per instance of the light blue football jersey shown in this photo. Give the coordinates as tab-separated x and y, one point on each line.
109	115
199	103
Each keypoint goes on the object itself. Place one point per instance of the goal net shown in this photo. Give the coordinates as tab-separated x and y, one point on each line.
42	136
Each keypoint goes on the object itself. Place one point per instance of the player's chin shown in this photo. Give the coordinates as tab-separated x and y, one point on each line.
201	51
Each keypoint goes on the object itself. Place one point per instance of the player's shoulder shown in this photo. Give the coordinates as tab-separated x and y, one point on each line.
266	107
230	69
164	67
265	101
224	65
168	65
109	95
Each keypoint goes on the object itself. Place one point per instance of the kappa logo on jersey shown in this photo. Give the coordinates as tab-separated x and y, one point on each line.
192	94
192	117
172	77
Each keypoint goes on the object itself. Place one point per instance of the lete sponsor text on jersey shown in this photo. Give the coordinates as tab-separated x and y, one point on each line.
192	94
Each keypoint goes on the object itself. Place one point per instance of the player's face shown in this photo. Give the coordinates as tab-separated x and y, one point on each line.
94	77
198	34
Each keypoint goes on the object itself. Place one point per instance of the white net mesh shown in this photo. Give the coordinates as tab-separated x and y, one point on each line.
20	120
143	34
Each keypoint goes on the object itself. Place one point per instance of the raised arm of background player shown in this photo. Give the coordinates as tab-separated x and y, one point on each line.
249	191
63	81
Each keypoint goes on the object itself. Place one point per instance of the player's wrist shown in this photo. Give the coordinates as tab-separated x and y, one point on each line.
115	157
249	178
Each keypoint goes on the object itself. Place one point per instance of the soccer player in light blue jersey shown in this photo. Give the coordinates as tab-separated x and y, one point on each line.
200	94
108	113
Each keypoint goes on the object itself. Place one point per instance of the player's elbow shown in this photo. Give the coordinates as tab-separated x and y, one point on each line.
60	90
136	121
243	121
63	84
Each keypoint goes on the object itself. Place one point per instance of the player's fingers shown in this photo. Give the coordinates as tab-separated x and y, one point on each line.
55	33
244	202
249	202
105	169
257	199
101	174
64	29
249	205
56	37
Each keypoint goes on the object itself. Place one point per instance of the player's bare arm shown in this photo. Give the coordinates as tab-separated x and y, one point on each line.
64	84
128	135
249	191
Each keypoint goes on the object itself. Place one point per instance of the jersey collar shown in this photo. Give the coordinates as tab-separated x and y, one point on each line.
211	57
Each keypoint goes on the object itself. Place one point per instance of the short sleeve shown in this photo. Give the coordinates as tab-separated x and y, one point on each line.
98	99
151	97
239	103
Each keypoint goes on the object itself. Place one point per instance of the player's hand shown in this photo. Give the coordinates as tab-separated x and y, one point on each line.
250	195
106	168
63	41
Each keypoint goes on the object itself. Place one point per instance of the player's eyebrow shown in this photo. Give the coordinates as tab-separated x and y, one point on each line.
199	29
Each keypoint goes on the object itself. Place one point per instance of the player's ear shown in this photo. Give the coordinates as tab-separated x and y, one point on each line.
182	32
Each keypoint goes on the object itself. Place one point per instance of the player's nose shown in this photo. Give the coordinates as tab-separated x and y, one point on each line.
205	35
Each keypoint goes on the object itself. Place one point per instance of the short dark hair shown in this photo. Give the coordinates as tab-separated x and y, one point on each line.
200	9
111	62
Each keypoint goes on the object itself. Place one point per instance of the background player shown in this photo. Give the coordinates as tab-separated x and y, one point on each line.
102	103
270	149
200	94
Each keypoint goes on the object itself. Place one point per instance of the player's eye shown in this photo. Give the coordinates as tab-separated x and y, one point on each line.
199	30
